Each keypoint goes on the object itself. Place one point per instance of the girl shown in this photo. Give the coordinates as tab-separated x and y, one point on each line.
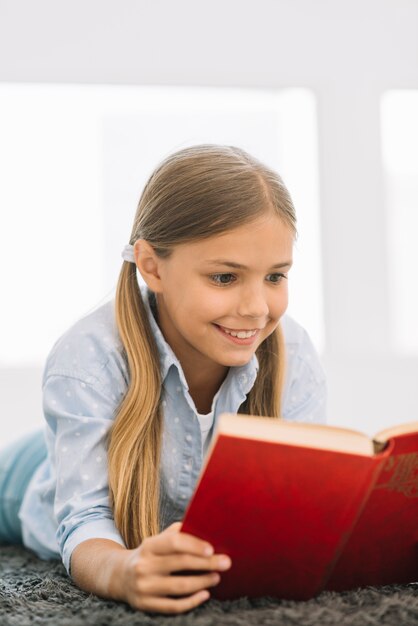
132	391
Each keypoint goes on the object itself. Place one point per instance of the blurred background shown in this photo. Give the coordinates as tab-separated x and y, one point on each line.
94	93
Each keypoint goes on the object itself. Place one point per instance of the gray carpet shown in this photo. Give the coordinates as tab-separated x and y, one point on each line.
33	591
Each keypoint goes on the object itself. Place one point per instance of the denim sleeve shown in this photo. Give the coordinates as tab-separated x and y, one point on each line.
79	415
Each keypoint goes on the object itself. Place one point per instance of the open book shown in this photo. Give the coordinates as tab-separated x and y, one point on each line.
304	507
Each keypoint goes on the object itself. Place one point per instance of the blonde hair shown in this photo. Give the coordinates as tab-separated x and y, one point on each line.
194	194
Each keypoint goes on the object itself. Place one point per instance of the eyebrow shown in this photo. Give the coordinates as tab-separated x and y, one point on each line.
244	267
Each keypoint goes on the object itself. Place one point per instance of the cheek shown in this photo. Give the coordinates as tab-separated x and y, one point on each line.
211	305
280	304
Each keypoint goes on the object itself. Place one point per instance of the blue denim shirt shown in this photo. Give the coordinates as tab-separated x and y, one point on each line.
85	379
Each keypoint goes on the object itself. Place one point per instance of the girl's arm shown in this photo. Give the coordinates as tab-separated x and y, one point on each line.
143	577
305	390
79	415
96	566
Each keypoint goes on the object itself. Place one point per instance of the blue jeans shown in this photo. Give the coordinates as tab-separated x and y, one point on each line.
18	462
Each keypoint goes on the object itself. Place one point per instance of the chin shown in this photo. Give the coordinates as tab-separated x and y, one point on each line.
238	362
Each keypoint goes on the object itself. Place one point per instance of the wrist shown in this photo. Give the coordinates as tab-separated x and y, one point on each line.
97	566
115	581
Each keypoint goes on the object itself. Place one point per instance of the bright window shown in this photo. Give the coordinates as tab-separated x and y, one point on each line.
74	159
399	115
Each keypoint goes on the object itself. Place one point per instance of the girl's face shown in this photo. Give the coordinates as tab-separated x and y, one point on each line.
236	281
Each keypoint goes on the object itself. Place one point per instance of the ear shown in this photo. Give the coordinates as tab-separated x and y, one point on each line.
148	264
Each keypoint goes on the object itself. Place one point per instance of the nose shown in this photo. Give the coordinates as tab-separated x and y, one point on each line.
253	302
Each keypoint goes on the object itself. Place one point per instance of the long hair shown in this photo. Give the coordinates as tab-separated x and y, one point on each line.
195	193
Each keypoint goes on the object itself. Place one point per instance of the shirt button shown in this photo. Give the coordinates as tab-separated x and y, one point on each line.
176	420
178	389
243	378
183	497
187	467
188	437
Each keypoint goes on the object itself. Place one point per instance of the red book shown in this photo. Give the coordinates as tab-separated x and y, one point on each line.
383	546
304	507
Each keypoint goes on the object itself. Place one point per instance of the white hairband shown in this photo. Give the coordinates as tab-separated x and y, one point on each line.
128	253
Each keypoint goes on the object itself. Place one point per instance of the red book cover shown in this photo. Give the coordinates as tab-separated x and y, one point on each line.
383	546
283	513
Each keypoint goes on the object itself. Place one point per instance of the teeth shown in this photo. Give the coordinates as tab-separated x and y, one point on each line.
242	334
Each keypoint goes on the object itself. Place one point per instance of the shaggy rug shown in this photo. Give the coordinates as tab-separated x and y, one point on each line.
33	591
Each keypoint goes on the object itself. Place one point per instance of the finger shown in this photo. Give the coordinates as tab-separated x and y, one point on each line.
173	542
169	605
165	565
178	585
175	527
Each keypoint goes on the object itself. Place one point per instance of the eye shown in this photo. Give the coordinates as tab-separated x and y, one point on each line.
279	278
218	279
224	279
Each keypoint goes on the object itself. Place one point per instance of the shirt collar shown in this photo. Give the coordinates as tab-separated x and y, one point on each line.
244	374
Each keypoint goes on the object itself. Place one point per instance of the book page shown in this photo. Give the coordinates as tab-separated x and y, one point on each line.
296	433
395	431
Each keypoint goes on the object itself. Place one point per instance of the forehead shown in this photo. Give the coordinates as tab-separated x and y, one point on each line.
267	240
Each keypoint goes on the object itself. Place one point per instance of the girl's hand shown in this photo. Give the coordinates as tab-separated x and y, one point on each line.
147	582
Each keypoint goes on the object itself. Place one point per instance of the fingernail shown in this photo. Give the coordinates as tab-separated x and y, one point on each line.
224	561
208	551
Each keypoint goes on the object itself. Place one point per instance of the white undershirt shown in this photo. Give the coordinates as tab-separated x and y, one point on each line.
206	423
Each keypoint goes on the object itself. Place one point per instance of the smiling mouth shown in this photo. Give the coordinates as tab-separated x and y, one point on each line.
239	334
239	330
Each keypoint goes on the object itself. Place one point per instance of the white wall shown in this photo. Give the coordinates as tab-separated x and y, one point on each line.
349	53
